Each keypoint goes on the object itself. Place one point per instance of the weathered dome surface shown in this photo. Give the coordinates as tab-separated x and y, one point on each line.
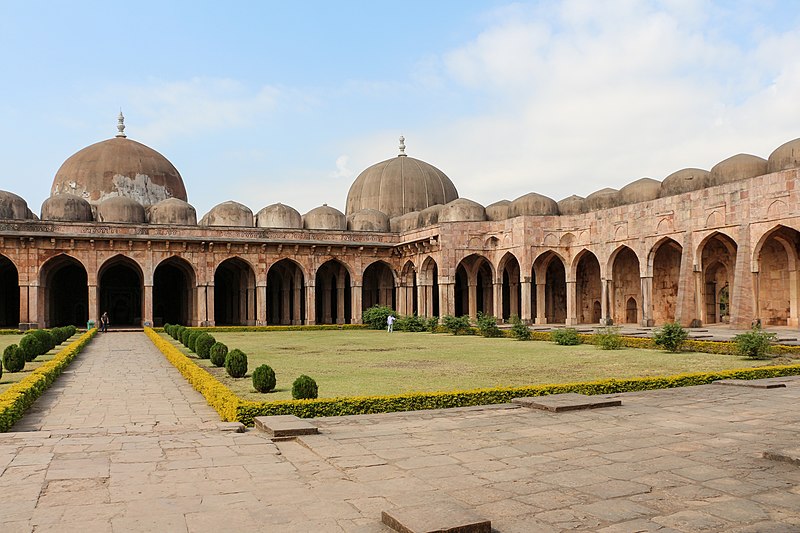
784	157
641	190
279	216
67	208
368	220
684	180
13	207
228	213
603	199
462	210
572	205
498	210
407	222
119	167
738	167
430	215
173	211
325	217
398	186
532	204
120	209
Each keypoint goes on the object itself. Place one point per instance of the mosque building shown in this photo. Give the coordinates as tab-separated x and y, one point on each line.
117	234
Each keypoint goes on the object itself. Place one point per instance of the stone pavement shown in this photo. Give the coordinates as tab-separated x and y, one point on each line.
122	443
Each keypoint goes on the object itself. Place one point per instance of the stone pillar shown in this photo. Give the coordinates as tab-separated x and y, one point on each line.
422	300
699	297
572	304
756	296
94	314
340	318
200	319
447	293
741	294
605	315
647	301
355	302
685	307
497	300
473	300
36	314
24	307
311	304
210	304
297	319
147	313
285	297
513	297
525	307
402	299
326	304
541	304
793	285
261	305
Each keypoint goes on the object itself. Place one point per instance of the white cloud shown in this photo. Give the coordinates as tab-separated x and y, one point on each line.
342	169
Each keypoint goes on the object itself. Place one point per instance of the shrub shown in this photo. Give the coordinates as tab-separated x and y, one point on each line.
411	323
608	338
203	345
304	388
185	332
31	347
72	330
519	330
456	324
565	336
671	337
218	352
13	358
167	327
236	363
264	378
375	317
754	344
487	326
192	341
46	339
177	332
432	324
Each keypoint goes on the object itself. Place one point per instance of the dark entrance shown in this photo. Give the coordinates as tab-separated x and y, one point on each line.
286	302
333	294
66	292
121	293
9	294
173	293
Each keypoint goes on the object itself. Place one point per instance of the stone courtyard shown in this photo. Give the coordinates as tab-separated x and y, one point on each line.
122	443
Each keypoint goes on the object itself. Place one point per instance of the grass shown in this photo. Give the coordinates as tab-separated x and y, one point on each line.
8	378
369	362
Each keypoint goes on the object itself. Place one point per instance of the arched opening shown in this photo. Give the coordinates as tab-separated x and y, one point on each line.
286	303
64	292
377	286
718	259
9	294
666	277
409	290
631	315
473	287
120	283
429	280
549	294
333	294
777	266
626	286
173	292
589	289
234	293
512	290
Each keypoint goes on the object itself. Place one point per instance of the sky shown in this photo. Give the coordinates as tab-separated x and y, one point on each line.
265	102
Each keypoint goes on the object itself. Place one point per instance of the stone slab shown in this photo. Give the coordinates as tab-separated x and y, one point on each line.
766	383
569	401
231	427
439	517
790	455
285	426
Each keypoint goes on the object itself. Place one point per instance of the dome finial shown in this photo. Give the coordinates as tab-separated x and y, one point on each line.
121	125
402	147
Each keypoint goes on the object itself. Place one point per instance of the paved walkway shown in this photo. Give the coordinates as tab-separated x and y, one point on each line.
122	443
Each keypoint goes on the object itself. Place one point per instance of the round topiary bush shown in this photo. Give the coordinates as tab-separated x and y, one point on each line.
185	336
46	338
13	358
31	347
193	336
71	330
264	378
167	328
304	388
203	345
236	363
218	352
177	331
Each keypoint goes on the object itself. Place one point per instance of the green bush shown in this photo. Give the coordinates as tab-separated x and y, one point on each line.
46	339
264	378
304	388
411	323
487	326
565	336
432	324
608	338
178	333
185	332
236	364
375	317
31	347
456	325
72	330
754	344
217	353
193	336
13	358
203	345
519	330
671	337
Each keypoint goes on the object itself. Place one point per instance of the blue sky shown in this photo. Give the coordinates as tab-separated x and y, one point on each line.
264	102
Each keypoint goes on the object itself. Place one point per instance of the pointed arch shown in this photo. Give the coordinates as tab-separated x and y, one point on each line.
377	285
9	294
408	290
333	294
174	291
775	268
588	288
429	288
664	263
286	287
717	260
511	288
235	293
64	292
474	289
120	282
626	286
549	293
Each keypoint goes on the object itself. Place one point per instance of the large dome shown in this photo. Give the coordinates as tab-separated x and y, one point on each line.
119	167
400	185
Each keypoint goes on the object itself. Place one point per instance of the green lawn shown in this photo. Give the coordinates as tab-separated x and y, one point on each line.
8	378
369	362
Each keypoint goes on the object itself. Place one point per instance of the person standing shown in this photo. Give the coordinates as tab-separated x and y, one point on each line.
390	323
104	322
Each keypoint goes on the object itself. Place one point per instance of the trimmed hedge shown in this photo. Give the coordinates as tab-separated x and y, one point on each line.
248	329
20	396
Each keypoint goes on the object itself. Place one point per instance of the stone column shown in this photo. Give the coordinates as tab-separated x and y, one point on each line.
24	307
699	297
340	318
647	301
572	304
605	316
793	303
94	314
147	313
422	300
261	305
210	306
541	303
513	297
355	302
497	300
473	300
741	292
402	299
285	297
298	280
311	304
756	295
326	304
525	307
200	319
35	311
447	292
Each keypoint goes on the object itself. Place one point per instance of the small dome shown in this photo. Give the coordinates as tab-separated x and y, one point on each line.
279	216
400	185
572	205
368	220
430	215
685	180
462	210
738	167
532	204
174	212
228	214
409	221
120	209
603	199
785	157
498	210
67	208
325	217
641	190
13	207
